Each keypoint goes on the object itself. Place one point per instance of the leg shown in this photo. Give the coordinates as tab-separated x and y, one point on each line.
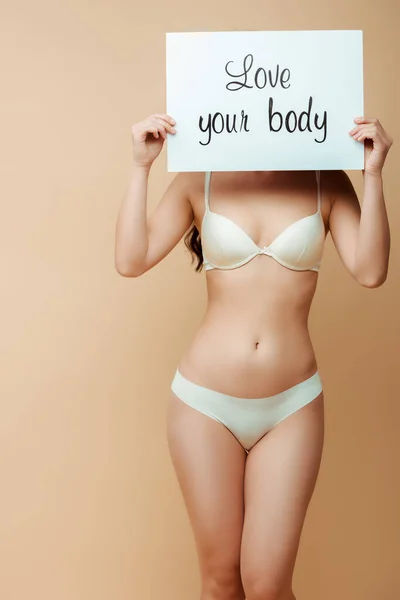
209	463
280	477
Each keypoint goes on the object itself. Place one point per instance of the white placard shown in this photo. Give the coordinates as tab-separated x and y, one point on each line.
264	100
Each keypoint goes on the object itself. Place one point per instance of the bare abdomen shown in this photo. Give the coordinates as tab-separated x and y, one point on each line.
251	355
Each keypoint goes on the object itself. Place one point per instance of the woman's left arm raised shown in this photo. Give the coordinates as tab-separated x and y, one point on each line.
362	237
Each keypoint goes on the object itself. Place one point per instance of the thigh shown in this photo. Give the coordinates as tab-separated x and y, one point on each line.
209	464
280	477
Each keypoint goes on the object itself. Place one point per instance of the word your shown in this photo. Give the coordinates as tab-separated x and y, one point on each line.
217	123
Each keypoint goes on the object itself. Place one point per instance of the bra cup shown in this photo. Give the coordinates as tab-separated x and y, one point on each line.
223	243
301	244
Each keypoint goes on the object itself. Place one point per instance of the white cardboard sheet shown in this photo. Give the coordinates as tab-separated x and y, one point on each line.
264	100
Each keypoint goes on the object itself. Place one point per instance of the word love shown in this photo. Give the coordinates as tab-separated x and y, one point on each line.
262	78
217	123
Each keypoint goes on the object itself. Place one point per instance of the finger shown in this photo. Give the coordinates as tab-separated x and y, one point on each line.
363	134
165	117
150	129
377	126
167	126
361	128
140	131
367	134
162	122
364	126
151	125
162	129
159	126
361	120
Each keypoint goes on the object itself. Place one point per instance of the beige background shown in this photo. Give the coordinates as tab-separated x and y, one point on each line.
89	505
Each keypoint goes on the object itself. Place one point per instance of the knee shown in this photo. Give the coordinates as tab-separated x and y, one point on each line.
222	582
266	587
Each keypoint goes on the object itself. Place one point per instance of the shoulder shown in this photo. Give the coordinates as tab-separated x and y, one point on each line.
337	185
189	183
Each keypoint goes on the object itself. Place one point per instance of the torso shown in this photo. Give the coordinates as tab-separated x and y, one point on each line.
253	340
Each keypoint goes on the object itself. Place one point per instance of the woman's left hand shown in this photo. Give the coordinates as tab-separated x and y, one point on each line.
377	143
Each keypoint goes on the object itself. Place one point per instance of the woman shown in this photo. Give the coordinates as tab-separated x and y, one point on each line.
246	413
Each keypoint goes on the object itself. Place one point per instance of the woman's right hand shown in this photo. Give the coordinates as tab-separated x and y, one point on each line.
148	138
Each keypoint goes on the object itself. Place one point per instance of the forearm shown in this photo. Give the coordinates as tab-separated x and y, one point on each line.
131	236
373	241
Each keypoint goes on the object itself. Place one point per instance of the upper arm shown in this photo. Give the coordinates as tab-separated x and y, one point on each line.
169	221
344	218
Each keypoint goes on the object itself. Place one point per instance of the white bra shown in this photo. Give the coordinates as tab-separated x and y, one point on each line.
226	246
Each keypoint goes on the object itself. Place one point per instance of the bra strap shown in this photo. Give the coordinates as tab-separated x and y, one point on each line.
207	189
318	173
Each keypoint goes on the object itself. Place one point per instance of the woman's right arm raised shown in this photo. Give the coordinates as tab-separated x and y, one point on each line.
140	241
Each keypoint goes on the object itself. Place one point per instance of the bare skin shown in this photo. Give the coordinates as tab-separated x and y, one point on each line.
247	511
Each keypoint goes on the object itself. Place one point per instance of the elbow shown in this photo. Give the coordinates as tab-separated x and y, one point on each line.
128	263
129	270
370	276
374	282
